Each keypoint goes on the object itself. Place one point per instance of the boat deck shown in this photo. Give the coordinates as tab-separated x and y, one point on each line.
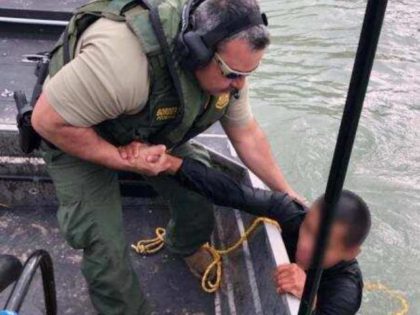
28	222
169	286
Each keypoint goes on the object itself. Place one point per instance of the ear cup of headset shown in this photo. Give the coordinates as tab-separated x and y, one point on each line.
193	52
198	55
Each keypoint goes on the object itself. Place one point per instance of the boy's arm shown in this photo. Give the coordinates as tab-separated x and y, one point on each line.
223	190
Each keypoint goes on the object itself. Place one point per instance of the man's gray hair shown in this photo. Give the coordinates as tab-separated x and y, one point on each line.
212	13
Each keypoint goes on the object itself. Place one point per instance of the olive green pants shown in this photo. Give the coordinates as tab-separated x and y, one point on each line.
90	218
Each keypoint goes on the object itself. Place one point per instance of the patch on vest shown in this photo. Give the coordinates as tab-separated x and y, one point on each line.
166	113
223	101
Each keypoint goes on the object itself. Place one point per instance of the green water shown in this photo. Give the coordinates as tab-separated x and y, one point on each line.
298	96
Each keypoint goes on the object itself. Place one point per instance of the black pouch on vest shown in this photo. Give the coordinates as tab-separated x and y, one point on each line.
29	139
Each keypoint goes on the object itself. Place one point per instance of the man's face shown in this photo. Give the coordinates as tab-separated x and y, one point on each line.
239	57
336	250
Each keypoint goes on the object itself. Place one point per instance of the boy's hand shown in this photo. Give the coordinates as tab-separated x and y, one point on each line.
133	150
290	278
145	159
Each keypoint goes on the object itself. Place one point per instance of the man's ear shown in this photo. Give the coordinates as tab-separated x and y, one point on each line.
352	252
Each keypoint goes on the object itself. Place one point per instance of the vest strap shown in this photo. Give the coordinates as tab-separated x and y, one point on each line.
66	48
160	35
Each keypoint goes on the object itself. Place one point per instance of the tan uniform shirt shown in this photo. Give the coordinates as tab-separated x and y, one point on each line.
109	77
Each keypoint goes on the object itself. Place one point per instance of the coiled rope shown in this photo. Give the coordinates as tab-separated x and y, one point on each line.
152	246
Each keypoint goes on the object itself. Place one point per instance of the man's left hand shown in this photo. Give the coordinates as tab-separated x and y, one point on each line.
290	278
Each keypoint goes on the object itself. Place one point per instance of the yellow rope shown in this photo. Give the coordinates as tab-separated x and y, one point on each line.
206	283
391	293
148	247
152	246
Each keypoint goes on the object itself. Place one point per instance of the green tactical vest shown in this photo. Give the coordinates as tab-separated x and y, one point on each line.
164	120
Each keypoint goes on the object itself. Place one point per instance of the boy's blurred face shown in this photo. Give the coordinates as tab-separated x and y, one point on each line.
336	251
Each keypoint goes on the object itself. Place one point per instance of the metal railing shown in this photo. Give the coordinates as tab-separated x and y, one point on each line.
42	260
34	17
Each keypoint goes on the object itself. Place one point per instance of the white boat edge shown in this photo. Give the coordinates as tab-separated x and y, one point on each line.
275	239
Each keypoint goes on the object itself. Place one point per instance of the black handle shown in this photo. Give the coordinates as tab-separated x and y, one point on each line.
10	269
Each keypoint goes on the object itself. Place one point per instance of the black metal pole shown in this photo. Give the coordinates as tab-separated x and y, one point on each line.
41	259
375	12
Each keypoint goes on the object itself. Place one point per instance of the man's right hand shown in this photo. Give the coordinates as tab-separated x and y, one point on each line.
149	160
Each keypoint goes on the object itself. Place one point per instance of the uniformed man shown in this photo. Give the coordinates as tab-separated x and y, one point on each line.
112	81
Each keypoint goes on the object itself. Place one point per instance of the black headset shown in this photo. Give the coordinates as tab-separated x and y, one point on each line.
195	50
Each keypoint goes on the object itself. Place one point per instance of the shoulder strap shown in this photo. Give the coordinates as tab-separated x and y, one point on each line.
66	48
160	35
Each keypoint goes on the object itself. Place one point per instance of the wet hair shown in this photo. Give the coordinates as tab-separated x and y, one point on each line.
212	13
352	211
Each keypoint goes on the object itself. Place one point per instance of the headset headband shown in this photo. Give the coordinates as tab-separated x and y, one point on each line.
187	10
223	31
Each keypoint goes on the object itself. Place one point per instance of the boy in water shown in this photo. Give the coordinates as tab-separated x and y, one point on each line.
341	286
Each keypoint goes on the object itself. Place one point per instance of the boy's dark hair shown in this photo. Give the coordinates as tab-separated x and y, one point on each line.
353	211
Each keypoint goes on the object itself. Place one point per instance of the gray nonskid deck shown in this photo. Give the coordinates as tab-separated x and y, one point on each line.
163	277
247	286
